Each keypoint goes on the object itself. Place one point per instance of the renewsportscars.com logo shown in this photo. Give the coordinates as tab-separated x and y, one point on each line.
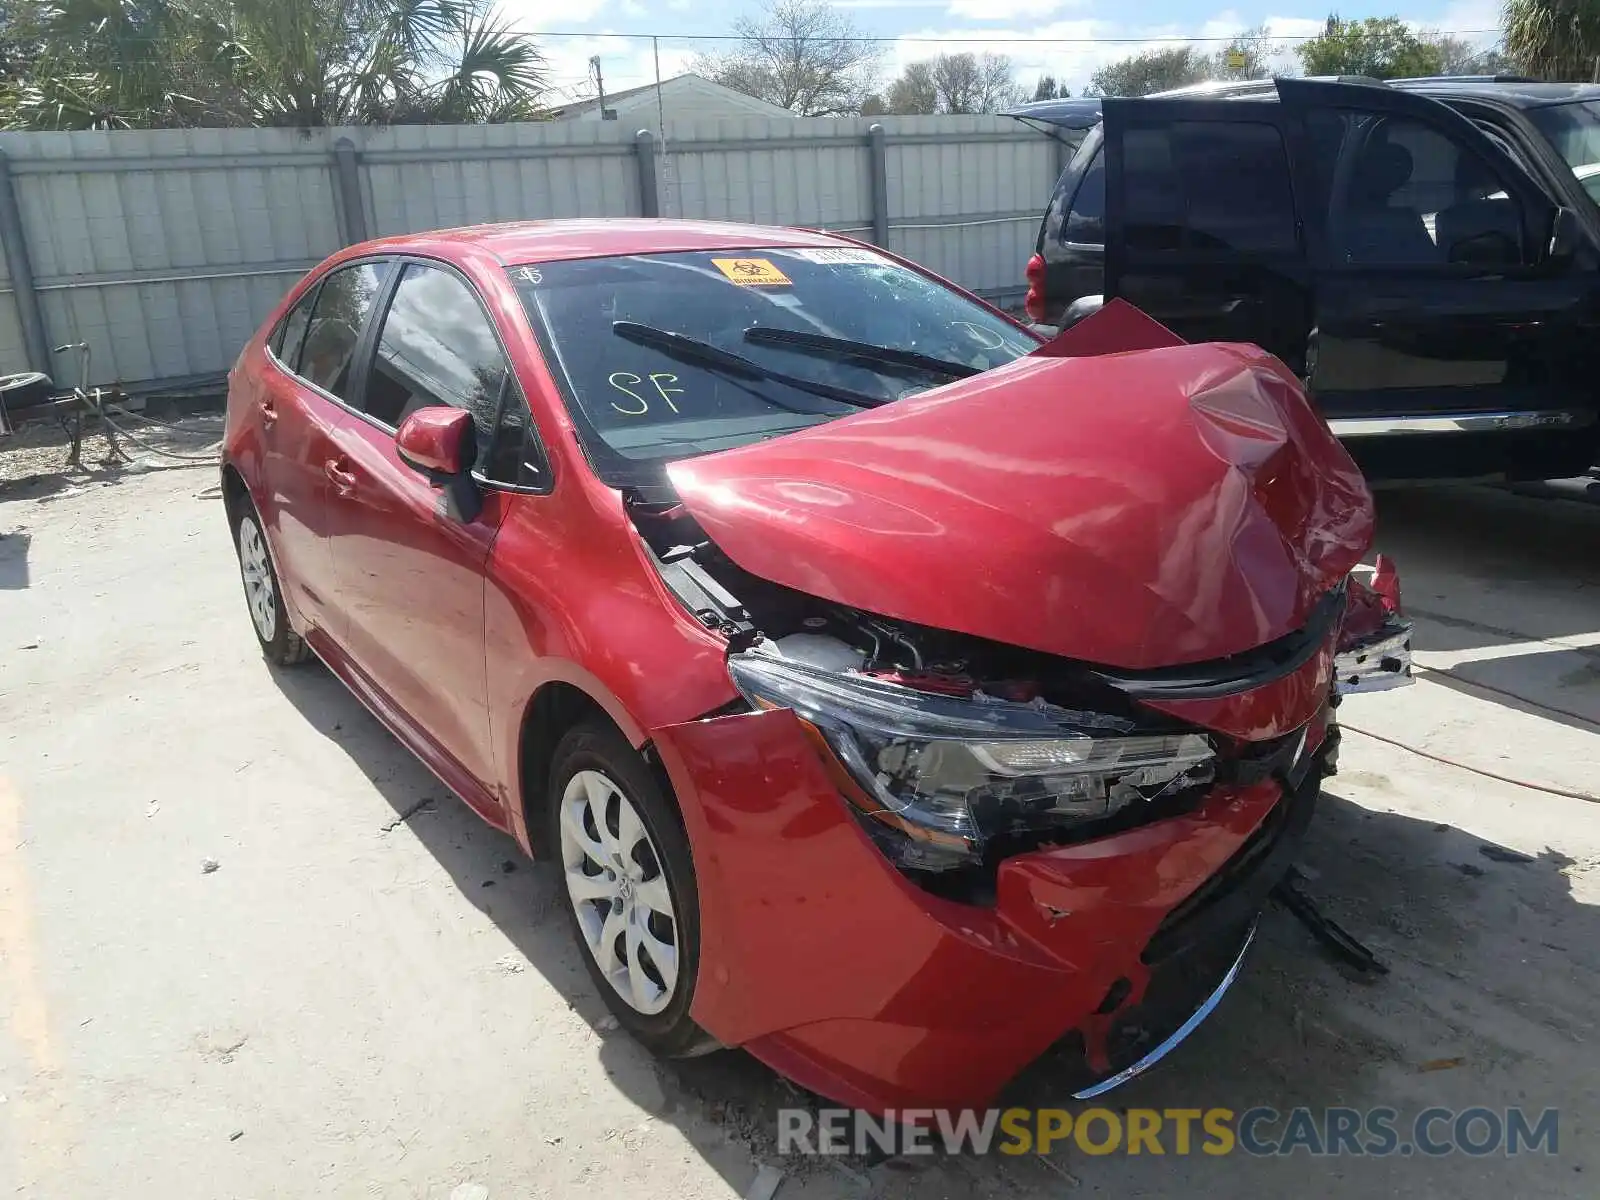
1324	1132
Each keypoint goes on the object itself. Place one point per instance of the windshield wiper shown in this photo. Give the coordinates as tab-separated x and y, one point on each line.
693	350
795	339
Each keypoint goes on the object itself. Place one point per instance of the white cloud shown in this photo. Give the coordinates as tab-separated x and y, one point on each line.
968	10
632	8
541	14
1007	10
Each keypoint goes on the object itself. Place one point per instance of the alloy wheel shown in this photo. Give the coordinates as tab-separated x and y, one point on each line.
619	892
257	571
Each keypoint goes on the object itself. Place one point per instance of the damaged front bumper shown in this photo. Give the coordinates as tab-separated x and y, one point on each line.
829	965
1377	662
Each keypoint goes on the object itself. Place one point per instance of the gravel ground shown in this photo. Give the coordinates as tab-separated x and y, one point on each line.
372	994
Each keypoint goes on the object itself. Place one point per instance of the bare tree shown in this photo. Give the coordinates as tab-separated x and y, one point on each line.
803	55
1248	56
955	83
1462	56
975	83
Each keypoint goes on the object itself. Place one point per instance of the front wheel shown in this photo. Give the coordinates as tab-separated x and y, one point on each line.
263	593
629	882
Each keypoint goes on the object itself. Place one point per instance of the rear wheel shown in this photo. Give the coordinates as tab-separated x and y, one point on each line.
263	593
629	883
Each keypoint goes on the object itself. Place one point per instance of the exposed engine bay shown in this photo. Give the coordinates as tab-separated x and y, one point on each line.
956	752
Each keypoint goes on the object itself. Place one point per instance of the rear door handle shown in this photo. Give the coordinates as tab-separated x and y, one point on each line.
338	473
269	413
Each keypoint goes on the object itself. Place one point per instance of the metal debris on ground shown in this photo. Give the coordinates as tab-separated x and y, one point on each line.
511	964
765	1185
605	1024
209	865
1323	927
236	1135
1441	1064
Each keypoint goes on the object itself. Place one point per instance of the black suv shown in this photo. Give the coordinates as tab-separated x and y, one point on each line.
1424	253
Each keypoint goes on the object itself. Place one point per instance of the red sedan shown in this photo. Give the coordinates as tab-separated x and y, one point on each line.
900	694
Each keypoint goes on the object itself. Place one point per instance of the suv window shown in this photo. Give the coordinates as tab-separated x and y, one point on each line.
1208	185
1086	220
291	330
438	347
1400	192
342	306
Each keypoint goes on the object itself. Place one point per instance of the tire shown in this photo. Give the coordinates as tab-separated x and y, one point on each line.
263	594
616	880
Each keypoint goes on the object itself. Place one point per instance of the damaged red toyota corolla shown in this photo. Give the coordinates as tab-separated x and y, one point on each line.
899	695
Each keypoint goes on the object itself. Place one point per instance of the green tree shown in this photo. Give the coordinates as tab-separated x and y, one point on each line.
1151	71
1048	89
116	64
1377	47
1553	39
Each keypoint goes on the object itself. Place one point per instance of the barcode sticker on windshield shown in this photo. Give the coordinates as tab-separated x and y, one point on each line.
751	272
843	255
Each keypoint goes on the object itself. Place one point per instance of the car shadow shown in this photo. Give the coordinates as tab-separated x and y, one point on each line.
1298	1028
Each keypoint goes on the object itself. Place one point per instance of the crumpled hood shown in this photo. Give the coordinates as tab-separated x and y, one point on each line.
1133	510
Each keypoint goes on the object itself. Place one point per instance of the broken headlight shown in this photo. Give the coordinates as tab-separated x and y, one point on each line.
952	772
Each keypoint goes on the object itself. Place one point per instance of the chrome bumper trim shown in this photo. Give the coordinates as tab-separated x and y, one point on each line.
1487	422
1381	662
1182	1032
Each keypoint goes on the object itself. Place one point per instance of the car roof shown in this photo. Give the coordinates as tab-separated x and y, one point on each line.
515	242
1083	112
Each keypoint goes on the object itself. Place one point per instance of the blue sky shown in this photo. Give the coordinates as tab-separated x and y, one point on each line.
922	28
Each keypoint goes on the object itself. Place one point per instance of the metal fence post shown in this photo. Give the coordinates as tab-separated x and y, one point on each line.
20	267
347	175
878	180
644	146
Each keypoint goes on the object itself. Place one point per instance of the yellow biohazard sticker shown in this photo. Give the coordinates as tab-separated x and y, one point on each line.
751	272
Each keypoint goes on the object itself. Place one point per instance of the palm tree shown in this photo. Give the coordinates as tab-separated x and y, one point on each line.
302	63
1554	39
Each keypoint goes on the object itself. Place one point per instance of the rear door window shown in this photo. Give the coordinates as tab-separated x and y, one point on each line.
343	304
291	330
1086	219
1208	186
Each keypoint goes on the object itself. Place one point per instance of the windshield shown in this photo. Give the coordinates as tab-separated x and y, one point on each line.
1574	130
665	356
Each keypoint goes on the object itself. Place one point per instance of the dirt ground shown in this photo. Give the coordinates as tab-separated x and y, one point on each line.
373	994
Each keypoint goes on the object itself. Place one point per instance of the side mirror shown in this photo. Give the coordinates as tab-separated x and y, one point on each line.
442	443
438	442
1565	236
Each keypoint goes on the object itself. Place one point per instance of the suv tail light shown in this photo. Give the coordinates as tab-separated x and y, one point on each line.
1034	304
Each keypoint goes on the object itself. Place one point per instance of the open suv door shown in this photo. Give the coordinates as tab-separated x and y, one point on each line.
1397	258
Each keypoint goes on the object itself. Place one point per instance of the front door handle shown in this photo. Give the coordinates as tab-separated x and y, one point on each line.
339	474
